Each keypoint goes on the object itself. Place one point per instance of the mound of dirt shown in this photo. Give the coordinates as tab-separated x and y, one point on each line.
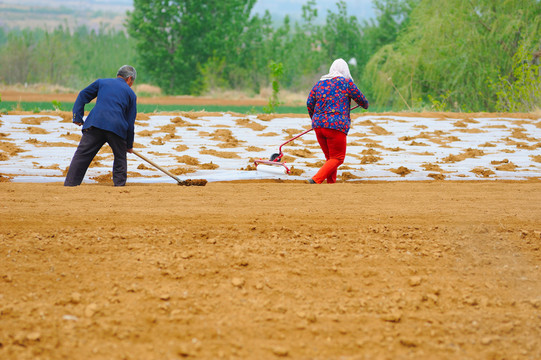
370	159
104	179
181	148
295	172
144	167
437	176
303	153
178	121
36	130
292	132
209	166
346	175
507	167
268	134
10	149
468	153
482	172
378	130
317	164
72	136
402	171
36	120
226	137
254	149
188	160
431	167
250	124
182	171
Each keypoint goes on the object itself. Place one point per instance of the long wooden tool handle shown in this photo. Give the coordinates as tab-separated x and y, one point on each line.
156	165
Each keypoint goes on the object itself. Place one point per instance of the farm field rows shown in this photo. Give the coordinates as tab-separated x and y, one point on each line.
222	146
429	247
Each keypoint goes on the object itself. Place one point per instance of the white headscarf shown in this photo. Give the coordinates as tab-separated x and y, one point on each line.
338	68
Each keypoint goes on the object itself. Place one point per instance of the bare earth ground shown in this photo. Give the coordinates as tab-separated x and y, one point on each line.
262	270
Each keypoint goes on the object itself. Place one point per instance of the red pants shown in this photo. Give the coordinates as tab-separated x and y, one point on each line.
333	143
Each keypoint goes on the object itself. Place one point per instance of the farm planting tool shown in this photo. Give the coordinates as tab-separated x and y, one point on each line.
274	164
189	182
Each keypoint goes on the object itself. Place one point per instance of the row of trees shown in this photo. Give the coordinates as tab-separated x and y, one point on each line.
63	57
468	55
189	46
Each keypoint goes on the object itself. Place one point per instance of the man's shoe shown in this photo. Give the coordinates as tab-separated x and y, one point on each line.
311	181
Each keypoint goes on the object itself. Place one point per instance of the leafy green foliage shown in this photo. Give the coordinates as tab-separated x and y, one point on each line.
453	47
441	103
212	76
277	70
462	55
71	59
175	37
56	105
520	91
342	35
392	17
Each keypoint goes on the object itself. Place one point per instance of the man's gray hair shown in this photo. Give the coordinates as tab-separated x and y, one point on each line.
127	71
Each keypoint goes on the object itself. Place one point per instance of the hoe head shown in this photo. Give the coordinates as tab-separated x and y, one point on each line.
192	182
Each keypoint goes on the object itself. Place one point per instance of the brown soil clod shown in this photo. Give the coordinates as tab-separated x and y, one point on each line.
193	182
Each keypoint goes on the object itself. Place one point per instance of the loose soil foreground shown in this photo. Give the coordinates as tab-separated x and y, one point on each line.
262	270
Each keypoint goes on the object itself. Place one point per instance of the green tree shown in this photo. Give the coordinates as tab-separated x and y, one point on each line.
61	56
301	52
276	70
452	49
520	91
3	36
56	48
248	69
99	53
392	17
341	33
174	37
341	36
16	57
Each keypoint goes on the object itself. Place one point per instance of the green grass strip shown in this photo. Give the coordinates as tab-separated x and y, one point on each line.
36	107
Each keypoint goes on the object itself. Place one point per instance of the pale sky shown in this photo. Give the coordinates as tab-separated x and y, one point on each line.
362	9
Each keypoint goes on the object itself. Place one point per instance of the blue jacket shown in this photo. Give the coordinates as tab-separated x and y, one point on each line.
115	109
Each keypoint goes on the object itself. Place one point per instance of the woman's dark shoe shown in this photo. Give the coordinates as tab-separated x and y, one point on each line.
311	181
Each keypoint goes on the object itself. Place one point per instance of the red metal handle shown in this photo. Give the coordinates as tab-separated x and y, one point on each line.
298	136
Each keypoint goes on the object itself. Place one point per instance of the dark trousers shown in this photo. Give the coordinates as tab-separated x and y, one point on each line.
91	142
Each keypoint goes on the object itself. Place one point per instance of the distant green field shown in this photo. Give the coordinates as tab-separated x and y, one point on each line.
149	108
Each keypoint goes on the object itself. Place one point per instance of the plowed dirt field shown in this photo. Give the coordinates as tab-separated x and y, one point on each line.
262	270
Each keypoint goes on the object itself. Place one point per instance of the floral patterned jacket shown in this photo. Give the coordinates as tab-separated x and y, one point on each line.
329	103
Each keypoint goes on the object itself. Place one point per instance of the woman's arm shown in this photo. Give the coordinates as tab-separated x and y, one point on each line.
357	95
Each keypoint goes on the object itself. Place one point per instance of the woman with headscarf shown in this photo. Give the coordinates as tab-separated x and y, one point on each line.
328	106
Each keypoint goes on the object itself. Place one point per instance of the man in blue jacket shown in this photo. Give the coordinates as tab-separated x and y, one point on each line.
111	121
